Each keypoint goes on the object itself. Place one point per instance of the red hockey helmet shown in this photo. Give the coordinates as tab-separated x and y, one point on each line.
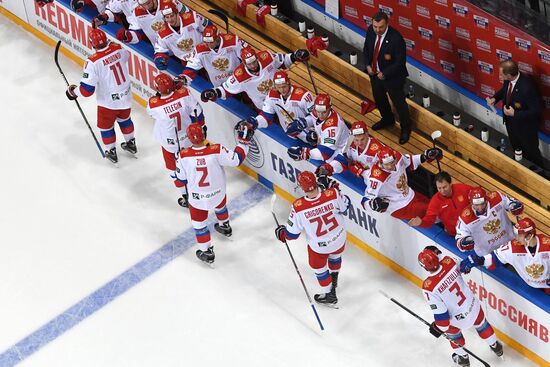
248	55
477	196
168	7
429	259
97	38
322	102
525	226
307	181
359	128
210	34
280	78
195	133
164	83
386	155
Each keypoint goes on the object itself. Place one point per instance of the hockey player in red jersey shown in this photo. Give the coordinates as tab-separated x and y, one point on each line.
528	253
320	214
106	74
174	110
454	306
200	168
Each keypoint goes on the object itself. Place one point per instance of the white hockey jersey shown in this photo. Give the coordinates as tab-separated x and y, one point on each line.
393	185
202	169
219	64
100	5
367	157
534	269
125	7
322	219
333	135
449	297
152	22
181	42
256	86
170	112
106	74
489	231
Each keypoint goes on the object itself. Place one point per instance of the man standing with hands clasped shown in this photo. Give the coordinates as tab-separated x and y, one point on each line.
385	58
521	111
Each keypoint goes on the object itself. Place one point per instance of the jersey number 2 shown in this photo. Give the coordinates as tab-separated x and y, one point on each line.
456	288
327	219
202	180
117	71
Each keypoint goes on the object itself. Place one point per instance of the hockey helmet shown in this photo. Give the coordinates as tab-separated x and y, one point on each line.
307	181
164	83
195	133
97	38
359	128
525	226
168	7
210	34
386	155
429	258
322	102
248	55
280	78
477	196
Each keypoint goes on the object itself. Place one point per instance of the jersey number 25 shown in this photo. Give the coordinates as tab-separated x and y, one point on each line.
326	219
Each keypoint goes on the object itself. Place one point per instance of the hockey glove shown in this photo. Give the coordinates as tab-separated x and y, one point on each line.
183	201
209	95
252	121
124	35
70	92
432	154
515	207
298	153
434	330
280	233
465	244
471	262
245	133
100	20
161	61
300	55
325	182
42	3
296	126
357	169
77	5
184	79
379	204
311	138
324	170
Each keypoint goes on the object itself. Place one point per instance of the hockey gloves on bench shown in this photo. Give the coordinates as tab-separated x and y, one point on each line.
471	262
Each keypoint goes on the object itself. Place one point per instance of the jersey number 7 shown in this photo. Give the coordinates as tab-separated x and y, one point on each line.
326	219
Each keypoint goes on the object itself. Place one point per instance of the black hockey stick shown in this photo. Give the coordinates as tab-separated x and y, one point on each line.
311	77
436	135
222	16
428	324
273	199
286	113
56	58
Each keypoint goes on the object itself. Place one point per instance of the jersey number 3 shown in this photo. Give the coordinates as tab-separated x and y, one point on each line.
456	288
327	219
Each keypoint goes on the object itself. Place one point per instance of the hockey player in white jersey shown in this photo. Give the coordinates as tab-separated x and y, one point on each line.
173	111
218	54
178	36
528	253
453	305
255	75
320	214
106	74
200	168
149	18
484	226
122	12
99	5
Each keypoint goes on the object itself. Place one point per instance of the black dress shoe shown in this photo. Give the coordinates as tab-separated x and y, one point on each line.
381	125
405	135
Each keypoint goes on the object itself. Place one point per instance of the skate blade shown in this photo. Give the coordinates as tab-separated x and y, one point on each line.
113	163
208	265
329	305
131	154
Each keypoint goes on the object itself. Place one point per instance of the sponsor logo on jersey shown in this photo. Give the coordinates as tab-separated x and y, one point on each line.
464	55
467	78
428	56
329	141
85	75
544	56
447	67
170	141
425	33
522	44
351	12
386	9
503	55
442	22
445	45
487	90
460	10
481	22
483	45
422	11
525	67
404	22
196	196
502	33
410	44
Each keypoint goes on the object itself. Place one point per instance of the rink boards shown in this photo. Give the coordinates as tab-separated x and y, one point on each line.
520	314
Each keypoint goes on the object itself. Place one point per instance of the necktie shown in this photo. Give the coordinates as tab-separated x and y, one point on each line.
509	93
375	55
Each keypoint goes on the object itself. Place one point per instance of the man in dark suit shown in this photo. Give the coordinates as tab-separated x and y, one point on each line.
385	56
521	110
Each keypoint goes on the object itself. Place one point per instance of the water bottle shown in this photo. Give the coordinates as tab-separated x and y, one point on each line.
502	146
411	91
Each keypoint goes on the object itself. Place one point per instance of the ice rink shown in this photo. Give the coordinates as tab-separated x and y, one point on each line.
98	265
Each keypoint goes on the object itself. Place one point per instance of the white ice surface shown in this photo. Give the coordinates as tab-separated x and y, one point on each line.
70	222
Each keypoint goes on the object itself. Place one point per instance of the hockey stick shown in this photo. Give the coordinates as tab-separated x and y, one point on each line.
286	113
428	324
436	135
273	199
222	16
311	77
56	59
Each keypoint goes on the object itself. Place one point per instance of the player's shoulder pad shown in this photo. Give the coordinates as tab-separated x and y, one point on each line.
273	93
297	93
154	101
185	152
378	174
468	215
182	92
331	121
240	73
428	284
374	147
214	148
330	193
229	40
494	198
264	57
447	261
139	11
164	31
515	247
544	242
202	47
298	204
188	18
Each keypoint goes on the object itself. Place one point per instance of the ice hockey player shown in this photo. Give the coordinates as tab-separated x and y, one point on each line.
122	12
106	74
179	34
173	111
454	306
320	214
218	54
528	253
149	18
484	226
388	189
254	75
200	168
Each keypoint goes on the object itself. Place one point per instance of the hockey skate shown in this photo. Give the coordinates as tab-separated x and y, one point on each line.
183	201
462	361
497	349
207	256
334	276
327	299
224	229
112	156
130	146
